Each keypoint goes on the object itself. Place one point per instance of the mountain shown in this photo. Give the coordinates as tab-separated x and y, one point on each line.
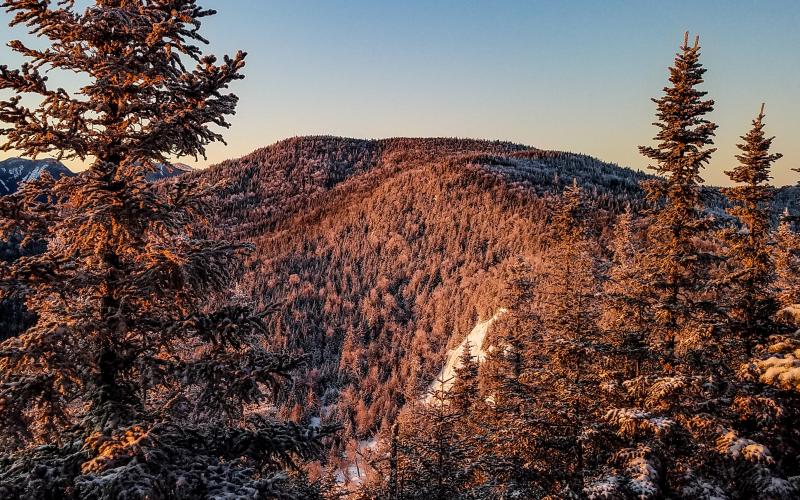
15	171
384	254
167	171
385	258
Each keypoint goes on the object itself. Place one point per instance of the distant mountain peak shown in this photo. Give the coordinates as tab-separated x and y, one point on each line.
16	171
167	170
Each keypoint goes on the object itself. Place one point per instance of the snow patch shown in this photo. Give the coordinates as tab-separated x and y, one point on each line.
789	315
34	174
643	477
743	448
782	372
355	471
446	376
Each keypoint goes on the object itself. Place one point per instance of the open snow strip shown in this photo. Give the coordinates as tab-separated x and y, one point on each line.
475	338
353	472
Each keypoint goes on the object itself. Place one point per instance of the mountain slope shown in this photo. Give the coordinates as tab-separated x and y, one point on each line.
385	253
16	171
168	171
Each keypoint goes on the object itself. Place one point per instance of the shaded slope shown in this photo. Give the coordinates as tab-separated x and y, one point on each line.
16	171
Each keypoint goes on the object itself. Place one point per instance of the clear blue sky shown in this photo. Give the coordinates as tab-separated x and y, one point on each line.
567	75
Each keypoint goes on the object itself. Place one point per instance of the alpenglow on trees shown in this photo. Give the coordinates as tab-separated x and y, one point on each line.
128	385
686	386
752	298
674	267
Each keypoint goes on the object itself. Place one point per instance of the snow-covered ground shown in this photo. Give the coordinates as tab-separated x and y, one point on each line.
790	314
356	470
475	338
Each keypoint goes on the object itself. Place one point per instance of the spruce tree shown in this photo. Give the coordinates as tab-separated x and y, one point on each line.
464	392
567	298
686	429
751	292
567	290
676	269
508	435
430	456
130	383
541	374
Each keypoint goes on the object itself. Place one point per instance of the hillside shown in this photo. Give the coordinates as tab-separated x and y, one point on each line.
271	184
385	253
384	258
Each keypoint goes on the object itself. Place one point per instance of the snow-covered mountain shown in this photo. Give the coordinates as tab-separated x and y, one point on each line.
16	171
165	171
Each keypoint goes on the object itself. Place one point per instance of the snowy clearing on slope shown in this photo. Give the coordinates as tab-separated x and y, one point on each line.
446	376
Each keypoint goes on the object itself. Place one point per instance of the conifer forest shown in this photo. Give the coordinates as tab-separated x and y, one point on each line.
400	318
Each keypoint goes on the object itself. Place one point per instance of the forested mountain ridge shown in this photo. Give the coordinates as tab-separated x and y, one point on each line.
270	184
273	183
384	253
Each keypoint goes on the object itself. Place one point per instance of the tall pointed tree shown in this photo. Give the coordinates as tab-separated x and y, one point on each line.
129	383
541	373
567	296
507	438
751	282
681	428
430	456
463	394
676	268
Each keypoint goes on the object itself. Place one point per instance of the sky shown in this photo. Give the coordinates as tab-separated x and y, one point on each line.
565	75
